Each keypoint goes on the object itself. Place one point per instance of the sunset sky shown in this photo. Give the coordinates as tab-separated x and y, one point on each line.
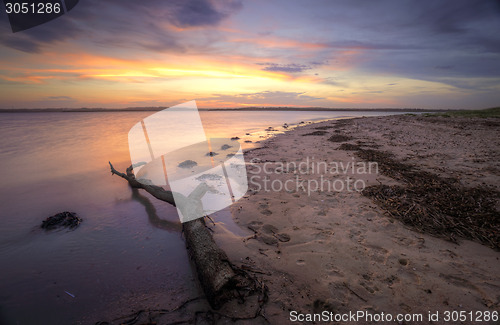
228	53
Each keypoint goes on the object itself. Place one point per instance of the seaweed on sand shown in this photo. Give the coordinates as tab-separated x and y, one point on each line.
315	133
433	204
63	219
339	138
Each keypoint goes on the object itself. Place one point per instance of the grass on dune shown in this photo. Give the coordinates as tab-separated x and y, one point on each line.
489	112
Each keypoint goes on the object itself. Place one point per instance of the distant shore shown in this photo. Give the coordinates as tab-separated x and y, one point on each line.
241	109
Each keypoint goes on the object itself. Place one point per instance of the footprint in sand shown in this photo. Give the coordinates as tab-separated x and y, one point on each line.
267	233
283	237
331	269
264	209
301	262
268	240
369	286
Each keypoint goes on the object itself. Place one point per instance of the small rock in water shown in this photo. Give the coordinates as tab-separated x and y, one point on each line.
225	147
187	164
235	138
211	154
208	177
63	219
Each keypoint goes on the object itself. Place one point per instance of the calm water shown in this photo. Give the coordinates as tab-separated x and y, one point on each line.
128	245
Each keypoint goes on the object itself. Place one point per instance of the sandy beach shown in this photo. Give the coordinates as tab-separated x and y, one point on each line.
340	251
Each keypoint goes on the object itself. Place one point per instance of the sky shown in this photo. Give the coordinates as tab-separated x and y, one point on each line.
230	53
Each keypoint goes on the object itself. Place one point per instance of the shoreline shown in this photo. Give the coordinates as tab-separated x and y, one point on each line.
244	109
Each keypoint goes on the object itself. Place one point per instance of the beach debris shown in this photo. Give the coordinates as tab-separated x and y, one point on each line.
339	138
187	164
70	294
211	154
62	219
353	292
349	147
235	138
315	133
225	147
435	205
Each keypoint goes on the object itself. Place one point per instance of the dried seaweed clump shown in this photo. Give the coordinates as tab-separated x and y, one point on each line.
339	138
63	219
435	205
349	147
315	133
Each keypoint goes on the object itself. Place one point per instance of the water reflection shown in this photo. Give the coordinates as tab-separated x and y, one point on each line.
154	219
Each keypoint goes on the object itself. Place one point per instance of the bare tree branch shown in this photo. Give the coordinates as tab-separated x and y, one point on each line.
214	270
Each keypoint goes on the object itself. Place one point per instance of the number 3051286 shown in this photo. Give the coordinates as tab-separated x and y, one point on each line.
32	8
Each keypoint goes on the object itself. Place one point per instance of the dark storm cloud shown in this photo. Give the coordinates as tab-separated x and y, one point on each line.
404	25
32	40
454	16
200	12
442	41
125	23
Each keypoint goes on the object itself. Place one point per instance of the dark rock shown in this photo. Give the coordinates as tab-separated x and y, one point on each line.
211	154
63	219
187	164
235	138
225	147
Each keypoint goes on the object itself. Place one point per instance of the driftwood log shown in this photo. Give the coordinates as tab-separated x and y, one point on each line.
215	272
